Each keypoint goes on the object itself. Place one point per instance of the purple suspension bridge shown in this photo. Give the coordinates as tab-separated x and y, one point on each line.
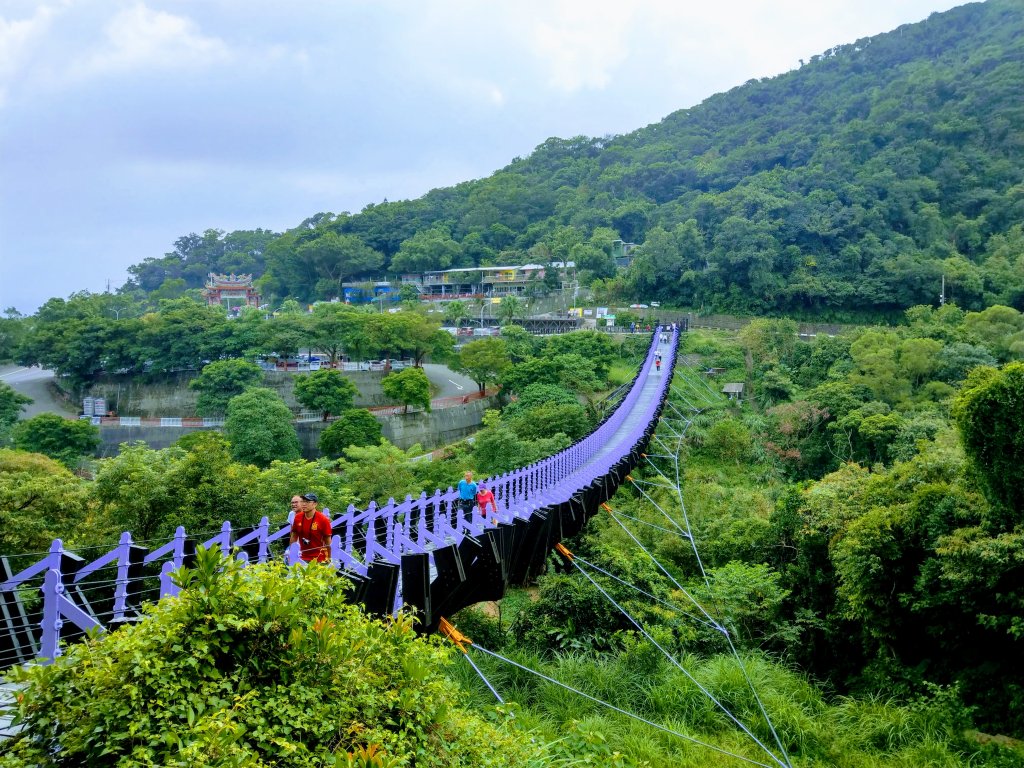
423	553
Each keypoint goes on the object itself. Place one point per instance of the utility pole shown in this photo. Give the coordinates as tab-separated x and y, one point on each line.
942	295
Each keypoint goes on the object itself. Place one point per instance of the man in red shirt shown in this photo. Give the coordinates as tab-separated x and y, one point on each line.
312	529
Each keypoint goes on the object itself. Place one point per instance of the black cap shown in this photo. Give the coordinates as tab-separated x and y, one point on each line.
310	497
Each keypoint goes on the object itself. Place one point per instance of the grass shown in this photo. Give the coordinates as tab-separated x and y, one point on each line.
849	733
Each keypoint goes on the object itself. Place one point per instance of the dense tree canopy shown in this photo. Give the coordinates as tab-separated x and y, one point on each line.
989	412
851	185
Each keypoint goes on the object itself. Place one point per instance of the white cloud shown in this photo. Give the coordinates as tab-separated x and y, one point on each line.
141	120
139	37
17	38
581	47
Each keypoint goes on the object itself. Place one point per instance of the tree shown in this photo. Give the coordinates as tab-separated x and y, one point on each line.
920	358
356	426
136	491
11	405
62	439
428	249
409	386
386	335
537	394
597	348
286	334
325	390
958	359
70	337
728	440
770	340
331	324
989	413
335	258
998	328
183	334
483	360
379	472
550	418
259	426
12	331
874	354
220	381
594	261
421	336
455	312
498	448
521	344
40	500
569	371
509	308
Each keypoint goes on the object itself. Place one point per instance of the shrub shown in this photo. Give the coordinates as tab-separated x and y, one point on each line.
728	440
54	436
356	426
253	666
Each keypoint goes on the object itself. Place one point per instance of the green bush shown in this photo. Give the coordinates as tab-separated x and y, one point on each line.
356	426
254	666
62	439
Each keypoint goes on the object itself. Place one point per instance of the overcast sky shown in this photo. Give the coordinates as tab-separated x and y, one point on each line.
124	125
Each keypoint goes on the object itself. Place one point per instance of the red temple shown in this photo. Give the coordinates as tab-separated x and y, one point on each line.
234	290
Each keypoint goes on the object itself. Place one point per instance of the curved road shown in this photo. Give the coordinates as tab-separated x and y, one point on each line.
34	382
448	382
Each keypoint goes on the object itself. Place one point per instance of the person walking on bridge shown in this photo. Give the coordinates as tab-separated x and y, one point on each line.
467	493
312	529
485	496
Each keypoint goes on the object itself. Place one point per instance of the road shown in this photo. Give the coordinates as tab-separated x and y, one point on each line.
449	383
34	382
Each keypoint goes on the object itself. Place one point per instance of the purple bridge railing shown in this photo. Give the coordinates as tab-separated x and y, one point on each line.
423	553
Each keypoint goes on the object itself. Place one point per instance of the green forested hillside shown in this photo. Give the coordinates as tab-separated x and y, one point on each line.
851	185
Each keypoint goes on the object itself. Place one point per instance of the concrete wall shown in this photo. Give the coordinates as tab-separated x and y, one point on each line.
130	396
430	430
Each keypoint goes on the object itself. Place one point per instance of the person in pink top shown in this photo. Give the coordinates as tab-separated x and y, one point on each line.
484	496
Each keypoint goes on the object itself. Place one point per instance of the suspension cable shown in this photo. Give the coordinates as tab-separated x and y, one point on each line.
677	487
654	525
670	606
565	553
664	570
596	700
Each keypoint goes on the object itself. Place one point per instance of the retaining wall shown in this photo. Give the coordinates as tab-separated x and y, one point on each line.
130	396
